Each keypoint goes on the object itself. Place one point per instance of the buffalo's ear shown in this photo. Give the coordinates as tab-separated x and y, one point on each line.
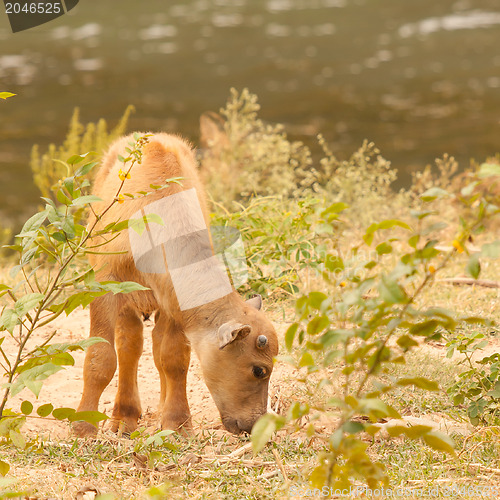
230	331
255	302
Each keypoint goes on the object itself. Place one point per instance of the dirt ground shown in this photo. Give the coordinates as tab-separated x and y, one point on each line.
64	388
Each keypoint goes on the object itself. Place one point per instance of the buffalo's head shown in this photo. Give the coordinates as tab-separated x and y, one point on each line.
236	357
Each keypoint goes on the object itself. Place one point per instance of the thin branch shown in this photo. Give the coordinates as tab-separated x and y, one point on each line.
459	280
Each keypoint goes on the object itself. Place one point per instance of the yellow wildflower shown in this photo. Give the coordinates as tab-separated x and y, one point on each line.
120	198
123	175
458	246
432	269
342	283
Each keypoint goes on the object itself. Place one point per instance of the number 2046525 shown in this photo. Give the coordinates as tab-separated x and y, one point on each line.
33	8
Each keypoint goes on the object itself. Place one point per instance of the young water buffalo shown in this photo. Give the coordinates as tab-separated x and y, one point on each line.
195	304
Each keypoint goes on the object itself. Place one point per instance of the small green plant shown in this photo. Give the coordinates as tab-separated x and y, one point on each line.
346	342
479	385
151	448
49	167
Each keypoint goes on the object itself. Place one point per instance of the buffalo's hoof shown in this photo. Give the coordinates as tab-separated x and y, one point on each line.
84	429
181	424
123	426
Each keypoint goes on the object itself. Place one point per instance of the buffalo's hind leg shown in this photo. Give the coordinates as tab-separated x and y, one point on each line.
172	353
129	345
100	360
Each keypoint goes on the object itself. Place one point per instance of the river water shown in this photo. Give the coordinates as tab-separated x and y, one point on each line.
420	78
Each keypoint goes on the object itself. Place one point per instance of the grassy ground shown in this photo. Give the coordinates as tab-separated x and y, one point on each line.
215	464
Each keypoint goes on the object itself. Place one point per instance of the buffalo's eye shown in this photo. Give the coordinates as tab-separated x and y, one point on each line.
259	372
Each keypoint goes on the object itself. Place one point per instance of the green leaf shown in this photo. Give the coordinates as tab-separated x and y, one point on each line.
390	223
306	360
62	198
92	417
489	169
86	168
331	213
122	286
298	410
45	410
439	441
422	214
425	328
433	193
316	299
406	342
63	413
28	302
84	200
139	225
8	320
320	475
323	228
73	160
476	408
81	299
377	409
34	222
17	439
495	392
26	407
4	468
290	335
474	266
4	288
317	324
6	95
386	224
383	248
420	382
32	378
413	432
352	427
391	292
263	430
68	226
334	263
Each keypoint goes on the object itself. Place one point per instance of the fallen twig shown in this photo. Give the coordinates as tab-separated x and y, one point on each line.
240	451
471	281
268	475
281	466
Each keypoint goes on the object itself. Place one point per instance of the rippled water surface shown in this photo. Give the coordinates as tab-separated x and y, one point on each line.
419	78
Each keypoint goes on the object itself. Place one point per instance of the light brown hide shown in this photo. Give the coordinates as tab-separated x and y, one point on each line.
223	332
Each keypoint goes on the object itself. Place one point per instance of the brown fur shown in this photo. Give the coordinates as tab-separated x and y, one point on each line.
240	397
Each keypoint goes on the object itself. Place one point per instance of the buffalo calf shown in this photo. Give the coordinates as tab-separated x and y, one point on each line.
194	304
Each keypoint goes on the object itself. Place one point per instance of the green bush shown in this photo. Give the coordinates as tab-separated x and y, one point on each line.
285	241
246	158
347	340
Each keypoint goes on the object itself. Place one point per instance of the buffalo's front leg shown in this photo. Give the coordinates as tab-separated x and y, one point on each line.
129	344
100	360
172	353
